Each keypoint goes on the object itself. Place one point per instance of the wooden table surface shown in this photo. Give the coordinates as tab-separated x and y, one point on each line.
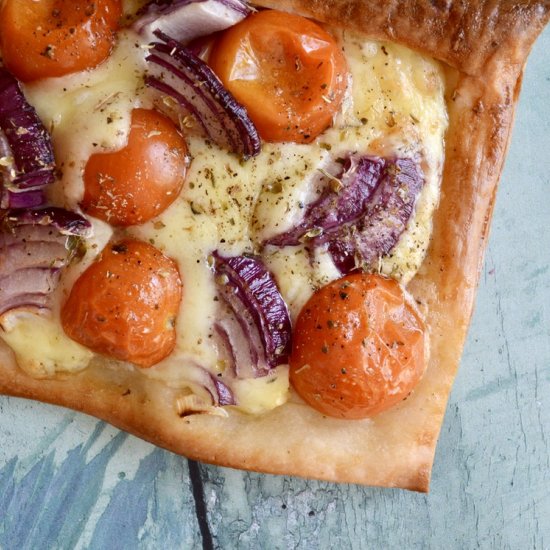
68	481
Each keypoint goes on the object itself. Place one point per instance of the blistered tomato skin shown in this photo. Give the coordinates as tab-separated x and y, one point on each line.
52	38
359	347
287	71
125	304
135	184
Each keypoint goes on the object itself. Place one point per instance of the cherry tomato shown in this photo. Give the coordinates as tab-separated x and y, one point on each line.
140	181
125	304
56	37
286	70
359	347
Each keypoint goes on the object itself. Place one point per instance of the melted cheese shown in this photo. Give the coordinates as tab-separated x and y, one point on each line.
259	395
394	107
50	352
89	112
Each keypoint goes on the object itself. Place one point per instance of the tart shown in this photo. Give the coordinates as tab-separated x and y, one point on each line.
459	68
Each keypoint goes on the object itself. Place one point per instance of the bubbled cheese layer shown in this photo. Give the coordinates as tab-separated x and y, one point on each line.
395	107
89	112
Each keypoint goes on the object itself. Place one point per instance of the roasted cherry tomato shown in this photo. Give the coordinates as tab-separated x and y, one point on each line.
56	37
125	304
133	185
286	70
359	347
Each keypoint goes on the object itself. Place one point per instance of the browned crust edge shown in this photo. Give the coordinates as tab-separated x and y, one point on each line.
464	34
488	42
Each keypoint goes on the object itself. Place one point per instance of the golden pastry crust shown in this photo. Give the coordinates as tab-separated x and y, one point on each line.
466	35
485	43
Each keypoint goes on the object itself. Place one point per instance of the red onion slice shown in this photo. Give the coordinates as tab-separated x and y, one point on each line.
361	244
223	395
186	20
365	216
34	247
34	301
64	221
26	154
32	280
33	251
219	392
239	334
30	198
177	72
356	181
235	346
261	317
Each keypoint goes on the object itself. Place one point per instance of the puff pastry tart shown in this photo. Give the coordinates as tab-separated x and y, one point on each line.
252	234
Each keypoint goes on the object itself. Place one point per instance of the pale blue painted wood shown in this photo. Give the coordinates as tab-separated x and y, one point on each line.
69	481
